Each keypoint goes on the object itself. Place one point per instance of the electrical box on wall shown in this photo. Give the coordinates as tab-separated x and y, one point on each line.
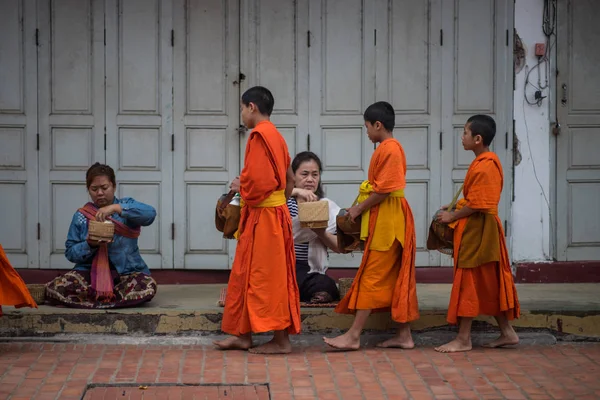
540	49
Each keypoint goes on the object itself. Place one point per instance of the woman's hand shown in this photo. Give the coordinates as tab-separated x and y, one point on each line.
445	207
445	217
103	213
305	195
95	243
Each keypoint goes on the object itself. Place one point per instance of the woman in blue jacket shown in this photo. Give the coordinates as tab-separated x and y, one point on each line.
106	274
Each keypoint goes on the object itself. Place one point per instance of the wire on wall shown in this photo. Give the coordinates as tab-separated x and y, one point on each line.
549	19
542	67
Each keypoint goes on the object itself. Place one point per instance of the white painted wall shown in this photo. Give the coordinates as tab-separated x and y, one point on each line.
531	222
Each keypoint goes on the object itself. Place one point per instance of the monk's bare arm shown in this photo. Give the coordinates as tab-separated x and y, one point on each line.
289	186
372	200
462	213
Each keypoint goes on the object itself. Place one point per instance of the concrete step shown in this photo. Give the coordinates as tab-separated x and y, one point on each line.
567	310
368	339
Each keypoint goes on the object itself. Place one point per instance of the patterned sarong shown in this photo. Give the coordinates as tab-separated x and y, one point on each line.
73	289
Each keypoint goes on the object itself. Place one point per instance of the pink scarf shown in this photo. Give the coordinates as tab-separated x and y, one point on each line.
102	283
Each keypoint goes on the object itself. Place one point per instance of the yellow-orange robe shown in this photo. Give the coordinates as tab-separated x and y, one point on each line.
262	293
386	279
483	282
13	291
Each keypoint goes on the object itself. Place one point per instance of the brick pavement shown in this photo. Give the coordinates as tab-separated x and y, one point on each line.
62	371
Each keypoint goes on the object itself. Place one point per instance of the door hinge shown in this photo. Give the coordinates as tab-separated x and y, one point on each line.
441	140
172	142
505	228
105	37
39	231
308	38
506	140
37	37
172	231
105	139
308	142
507	38
172	38
374	37
441	37
37	142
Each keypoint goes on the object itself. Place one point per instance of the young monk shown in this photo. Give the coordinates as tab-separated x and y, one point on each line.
13	291
386	278
262	294
483	281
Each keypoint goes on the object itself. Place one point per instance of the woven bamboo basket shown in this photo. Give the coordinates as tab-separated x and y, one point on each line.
314	214
345	284
38	292
103	231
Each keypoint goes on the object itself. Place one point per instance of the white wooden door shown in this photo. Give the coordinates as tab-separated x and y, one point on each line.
71	114
18	129
206	120
341	86
476	79
409	71
274	48
139	121
578	112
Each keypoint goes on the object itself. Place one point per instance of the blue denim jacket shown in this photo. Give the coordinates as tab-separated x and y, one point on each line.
123	253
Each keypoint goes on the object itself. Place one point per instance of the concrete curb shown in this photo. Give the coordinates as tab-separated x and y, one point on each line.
184	322
369	339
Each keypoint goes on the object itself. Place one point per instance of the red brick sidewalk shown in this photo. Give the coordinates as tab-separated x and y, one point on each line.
63	371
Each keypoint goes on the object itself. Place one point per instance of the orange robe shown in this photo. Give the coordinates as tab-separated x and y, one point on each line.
489	288
262	293
385	280
13	291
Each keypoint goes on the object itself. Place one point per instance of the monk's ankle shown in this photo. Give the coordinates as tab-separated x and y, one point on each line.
354	334
466	340
404	332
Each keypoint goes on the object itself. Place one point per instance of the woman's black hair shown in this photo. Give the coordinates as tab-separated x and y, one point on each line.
97	170
309	156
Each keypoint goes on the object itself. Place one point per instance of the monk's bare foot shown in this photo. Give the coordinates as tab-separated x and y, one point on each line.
504	340
397	343
234	343
455	346
273	347
343	342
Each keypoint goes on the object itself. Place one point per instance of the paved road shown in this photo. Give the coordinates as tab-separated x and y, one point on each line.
69	371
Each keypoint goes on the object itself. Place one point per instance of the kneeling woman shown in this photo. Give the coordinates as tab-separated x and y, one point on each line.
106	275
311	244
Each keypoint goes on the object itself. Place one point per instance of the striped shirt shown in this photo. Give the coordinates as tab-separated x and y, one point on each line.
301	248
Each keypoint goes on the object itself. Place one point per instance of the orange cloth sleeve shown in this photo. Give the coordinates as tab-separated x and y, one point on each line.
387	171
257	180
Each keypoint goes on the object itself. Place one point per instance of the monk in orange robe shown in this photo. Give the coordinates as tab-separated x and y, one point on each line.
483	282
385	280
13	291
262	293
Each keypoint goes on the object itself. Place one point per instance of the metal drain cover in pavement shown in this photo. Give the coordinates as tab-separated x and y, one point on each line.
176	391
